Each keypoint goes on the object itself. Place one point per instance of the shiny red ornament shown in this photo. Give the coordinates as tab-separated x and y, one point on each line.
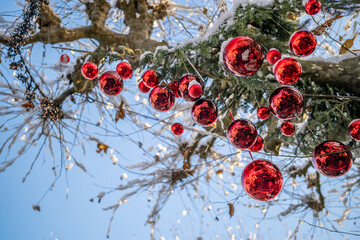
124	69
242	133
143	88
286	103
287	71
332	158
263	113
183	86
161	98
262	180
354	129
204	112
258	145
177	129
64	58
243	56
302	43
273	56
313	7
151	78
287	128
174	88
195	89
110	83
89	70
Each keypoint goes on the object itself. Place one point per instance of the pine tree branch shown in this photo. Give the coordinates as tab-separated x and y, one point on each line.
341	5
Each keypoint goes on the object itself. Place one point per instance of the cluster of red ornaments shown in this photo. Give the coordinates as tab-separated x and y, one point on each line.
243	57
286	103
110	82
261	179
189	87
242	134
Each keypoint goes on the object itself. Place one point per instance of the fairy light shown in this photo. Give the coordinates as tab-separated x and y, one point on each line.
15	43
49	110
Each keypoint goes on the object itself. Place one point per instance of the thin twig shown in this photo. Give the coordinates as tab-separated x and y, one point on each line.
330	230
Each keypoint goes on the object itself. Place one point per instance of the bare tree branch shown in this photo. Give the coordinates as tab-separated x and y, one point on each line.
345	74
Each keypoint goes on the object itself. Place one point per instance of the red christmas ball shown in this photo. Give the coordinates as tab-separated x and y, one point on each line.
243	56
204	112
332	158
354	129
177	129
174	88
89	70
262	180
183	86
110	83
195	89
263	113
302	43
287	71
258	145
286	103
124	69
242	133
64	58
143	88
161	98
151	78
313	7
287	128
273	56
